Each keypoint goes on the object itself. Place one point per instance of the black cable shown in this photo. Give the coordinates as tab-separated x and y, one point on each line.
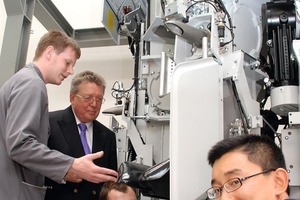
221	4
240	106
277	135
201	1
162	4
127	90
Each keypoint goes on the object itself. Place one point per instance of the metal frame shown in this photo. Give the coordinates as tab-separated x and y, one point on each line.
18	26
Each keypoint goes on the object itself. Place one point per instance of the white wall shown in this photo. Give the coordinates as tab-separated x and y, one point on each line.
114	63
2	22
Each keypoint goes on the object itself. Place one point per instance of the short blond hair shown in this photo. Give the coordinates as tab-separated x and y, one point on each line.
59	40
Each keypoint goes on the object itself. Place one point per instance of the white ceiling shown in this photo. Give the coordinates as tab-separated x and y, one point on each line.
81	14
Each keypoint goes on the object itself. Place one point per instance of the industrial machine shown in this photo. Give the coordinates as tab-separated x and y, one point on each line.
204	70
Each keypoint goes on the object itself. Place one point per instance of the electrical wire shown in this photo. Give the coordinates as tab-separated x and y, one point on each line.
241	108
163	4
277	135
201	1
124	92
221	4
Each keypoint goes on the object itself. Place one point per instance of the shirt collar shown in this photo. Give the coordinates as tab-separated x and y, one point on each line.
88	124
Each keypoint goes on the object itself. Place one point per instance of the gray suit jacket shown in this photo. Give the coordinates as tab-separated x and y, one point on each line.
24	123
64	137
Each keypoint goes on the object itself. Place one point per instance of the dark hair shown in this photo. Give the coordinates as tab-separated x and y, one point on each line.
108	186
260	150
59	40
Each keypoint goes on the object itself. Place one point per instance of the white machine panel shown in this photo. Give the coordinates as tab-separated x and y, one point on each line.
196	124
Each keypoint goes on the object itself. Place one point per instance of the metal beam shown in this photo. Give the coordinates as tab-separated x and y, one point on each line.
96	37
51	18
16	37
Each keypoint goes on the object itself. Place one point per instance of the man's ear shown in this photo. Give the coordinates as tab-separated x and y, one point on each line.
72	97
48	51
281	181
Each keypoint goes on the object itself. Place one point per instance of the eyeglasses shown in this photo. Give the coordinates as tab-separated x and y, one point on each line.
231	185
90	99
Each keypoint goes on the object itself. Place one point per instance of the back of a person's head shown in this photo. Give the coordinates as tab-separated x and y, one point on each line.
109	186
261	150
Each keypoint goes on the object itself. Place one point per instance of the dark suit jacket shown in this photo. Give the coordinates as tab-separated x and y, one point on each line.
64	137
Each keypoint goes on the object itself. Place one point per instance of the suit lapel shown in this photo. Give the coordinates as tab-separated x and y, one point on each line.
98	138
70	131
98	142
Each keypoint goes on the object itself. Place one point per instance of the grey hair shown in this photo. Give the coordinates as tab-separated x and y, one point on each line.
86	76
